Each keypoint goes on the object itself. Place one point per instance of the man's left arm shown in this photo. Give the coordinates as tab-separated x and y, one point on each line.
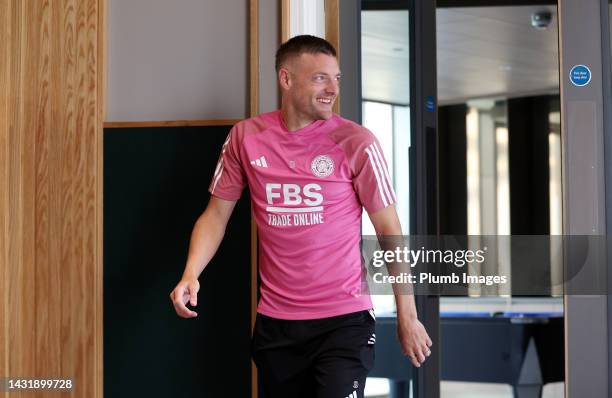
413	337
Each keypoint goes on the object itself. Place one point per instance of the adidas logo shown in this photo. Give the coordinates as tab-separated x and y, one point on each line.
261	162
352	395
372	339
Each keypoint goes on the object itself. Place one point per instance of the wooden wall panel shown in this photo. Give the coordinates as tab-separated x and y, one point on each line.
51	112
332	32
285	20
5	29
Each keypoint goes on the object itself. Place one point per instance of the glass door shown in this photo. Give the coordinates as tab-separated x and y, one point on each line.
500	177
389	47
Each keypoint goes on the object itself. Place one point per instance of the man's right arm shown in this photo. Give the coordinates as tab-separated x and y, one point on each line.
206	237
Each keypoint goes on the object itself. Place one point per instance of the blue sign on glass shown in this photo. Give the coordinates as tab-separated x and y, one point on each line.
430	105
580	75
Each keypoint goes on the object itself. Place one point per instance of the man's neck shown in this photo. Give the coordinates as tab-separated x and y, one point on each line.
292	119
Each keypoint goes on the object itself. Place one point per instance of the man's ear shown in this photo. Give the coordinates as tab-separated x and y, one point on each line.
283	78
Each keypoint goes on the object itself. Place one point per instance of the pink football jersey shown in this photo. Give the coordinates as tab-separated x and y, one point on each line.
307	190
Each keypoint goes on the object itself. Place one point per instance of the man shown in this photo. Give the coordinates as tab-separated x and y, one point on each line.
309	172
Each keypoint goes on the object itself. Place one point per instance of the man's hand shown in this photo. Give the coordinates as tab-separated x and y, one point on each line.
205	240
185	292
414	340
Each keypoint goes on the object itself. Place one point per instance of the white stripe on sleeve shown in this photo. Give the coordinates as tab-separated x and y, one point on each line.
382	164
219	168
380	189
378	162
217	179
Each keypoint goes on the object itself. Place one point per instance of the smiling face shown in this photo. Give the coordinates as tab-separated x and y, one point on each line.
310	84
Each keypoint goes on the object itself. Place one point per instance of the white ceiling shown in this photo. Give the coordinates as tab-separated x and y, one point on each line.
482	52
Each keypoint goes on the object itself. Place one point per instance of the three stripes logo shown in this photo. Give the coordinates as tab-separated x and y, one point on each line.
385	188
352	395
220	166
261	162
372	339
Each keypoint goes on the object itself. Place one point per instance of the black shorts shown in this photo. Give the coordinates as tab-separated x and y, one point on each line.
316	358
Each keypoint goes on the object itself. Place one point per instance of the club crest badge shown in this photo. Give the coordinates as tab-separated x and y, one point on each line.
322	166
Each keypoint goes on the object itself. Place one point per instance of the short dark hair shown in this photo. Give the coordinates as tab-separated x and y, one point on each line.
302	44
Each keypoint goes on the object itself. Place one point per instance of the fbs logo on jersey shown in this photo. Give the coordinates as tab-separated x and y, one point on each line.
322	166
294	195
291	205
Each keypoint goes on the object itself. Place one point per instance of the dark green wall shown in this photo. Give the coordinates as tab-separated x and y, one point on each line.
155	187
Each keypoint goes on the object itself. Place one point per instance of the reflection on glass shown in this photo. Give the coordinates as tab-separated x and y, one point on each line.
488	181
391	126
488	189
401	163
385	56
556	226
473	173
386	112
